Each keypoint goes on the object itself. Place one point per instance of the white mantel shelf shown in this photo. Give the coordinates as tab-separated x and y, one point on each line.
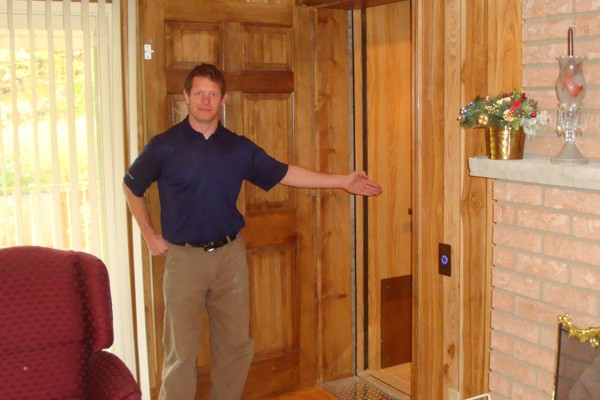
539	170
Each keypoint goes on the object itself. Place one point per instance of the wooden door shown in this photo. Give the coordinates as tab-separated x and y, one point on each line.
254	45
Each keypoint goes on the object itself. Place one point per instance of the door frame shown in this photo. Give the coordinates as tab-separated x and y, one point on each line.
460	49
463	48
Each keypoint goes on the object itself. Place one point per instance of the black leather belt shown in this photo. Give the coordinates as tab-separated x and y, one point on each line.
211	244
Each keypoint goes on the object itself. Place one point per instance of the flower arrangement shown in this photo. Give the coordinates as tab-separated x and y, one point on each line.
513	110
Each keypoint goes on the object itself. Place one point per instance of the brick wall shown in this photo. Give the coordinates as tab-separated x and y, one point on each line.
546	262
546	257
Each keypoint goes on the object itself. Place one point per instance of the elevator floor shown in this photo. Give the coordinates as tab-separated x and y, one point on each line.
357	388
391	383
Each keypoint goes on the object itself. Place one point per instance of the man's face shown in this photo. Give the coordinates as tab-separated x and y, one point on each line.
204	101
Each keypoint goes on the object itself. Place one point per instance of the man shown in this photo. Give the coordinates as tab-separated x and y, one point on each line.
199	166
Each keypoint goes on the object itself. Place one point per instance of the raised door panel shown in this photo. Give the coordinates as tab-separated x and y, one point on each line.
267	48
272	272
188	42
274	320
268	121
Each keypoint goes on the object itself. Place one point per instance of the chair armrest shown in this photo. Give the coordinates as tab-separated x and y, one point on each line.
108	378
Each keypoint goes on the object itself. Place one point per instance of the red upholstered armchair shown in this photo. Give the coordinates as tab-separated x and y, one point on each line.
55	321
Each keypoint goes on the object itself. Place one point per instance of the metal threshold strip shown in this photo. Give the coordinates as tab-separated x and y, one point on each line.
356	388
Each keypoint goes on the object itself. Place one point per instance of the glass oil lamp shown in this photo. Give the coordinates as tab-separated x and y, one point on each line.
570	91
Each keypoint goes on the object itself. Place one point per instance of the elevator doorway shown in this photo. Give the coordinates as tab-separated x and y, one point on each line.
382	44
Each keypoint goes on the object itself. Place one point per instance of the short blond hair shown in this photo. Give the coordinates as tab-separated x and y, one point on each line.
207	71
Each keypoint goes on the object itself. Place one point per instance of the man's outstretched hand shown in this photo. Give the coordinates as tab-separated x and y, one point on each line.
359	183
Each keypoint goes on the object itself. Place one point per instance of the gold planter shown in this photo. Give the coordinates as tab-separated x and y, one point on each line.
505	143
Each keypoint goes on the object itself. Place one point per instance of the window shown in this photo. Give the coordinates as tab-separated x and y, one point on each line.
61	138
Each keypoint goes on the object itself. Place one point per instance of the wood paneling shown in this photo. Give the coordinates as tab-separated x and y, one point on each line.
332	118
451	191
229	11
177	107
267	118
468	53
306	205
428	350
275	375
153	34
505	45
492	64
279	232
473	207
348	4
188	42
267	48
273	267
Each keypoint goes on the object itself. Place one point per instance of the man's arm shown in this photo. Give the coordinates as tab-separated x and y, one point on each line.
137	205
356	183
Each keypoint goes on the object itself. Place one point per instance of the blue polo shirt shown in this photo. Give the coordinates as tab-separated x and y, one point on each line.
199	180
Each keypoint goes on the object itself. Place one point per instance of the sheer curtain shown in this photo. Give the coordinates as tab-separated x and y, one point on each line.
61	138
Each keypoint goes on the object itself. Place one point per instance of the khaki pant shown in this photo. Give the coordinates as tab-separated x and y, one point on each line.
218	281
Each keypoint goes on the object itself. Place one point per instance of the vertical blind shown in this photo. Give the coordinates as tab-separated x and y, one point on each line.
61	137
50	126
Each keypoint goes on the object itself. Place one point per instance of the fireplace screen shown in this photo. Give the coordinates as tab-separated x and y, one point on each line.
577	362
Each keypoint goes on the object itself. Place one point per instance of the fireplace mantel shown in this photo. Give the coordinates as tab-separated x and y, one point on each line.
539	170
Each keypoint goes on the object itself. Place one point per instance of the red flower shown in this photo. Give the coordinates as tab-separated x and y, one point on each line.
533	114
515	105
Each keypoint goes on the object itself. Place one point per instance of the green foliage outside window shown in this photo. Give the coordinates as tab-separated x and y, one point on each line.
28	84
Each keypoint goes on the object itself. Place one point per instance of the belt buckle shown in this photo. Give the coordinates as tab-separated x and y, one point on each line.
210	246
